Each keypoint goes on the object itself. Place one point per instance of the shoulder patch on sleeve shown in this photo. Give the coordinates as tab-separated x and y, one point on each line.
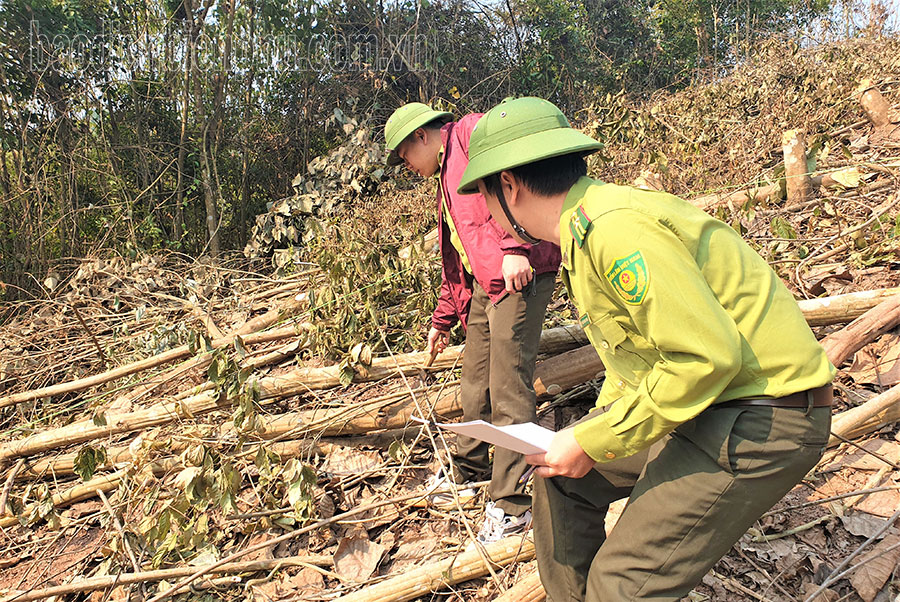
630	278
579	224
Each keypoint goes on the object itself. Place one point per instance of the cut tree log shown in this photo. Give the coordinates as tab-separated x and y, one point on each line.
201	362
872	415
841	345
799	189
340	422
172	355
763	193
758	193
304	379
873	103
825	311
562	338
117	456
91	584
567	370
438	575
89	489
526	589
116	424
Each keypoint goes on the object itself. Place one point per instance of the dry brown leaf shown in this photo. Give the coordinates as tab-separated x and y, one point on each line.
357	558
826	596
879	565
862	524
257	538
861	460
305	579
815	538
883	503
878	363
266	592
414	547
770	550
342	461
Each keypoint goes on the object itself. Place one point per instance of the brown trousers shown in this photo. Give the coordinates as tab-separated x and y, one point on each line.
692	495
498	384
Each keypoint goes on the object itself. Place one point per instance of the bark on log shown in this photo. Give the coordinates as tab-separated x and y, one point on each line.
818	312
841	345
567	370
433	577
151	362
736	198
562	338
526	589
765	193
843	308
89	489
201	362
301	380
793	145
873	103
358	420
115	424
342	421
880	410
64	465
91	584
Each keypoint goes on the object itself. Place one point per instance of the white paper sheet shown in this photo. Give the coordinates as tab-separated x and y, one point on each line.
524	438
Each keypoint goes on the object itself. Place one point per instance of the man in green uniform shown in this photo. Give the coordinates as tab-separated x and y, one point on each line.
717	396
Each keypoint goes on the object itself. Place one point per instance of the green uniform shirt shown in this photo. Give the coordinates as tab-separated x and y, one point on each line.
682	312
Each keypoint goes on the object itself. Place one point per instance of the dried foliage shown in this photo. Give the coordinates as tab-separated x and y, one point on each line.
208	484
727	134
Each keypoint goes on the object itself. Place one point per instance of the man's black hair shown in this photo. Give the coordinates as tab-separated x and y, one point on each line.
547	177
437	123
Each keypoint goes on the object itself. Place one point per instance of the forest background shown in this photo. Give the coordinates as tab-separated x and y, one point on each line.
129	127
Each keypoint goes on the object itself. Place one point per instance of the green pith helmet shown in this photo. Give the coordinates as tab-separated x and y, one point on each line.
516	132
403	122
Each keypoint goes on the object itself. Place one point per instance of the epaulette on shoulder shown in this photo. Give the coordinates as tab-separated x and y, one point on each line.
579	226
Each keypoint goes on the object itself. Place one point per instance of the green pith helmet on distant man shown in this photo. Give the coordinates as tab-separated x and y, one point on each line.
519	131
403	122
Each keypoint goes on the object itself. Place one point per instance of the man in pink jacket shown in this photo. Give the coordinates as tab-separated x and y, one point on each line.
497	288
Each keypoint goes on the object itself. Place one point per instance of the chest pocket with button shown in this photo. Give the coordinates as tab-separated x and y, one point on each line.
619	353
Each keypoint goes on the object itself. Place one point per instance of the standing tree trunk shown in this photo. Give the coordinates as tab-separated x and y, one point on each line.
210	193
799	188
4	174
873	103
182	149
245	143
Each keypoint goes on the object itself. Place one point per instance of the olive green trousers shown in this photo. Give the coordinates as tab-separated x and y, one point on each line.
692	495
497	384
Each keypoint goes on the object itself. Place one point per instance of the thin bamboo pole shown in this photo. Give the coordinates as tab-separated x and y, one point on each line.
435	576
340	422
172	355
91	584
527	589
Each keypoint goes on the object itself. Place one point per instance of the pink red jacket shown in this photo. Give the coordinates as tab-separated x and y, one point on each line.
483	239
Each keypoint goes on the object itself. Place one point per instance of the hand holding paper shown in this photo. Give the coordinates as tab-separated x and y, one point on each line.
564	458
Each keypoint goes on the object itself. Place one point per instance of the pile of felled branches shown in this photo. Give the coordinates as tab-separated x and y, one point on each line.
167	432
